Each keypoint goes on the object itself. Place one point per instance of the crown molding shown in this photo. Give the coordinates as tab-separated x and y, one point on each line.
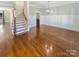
57	5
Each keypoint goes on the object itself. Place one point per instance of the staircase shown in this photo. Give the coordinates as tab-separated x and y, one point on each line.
20	25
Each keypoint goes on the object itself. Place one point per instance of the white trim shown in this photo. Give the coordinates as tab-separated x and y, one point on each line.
35	5
63	27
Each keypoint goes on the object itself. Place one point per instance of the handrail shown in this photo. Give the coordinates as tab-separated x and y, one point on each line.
24	15
14	20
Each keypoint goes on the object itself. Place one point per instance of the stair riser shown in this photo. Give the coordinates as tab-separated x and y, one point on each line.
21	25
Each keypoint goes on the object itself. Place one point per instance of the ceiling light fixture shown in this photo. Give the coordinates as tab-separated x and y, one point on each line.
49	10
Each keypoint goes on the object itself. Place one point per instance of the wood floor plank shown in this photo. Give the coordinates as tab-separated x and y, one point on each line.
45	41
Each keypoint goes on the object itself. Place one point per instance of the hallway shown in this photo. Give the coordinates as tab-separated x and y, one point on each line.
46	41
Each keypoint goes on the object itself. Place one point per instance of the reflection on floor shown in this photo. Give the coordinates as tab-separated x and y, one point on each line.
46	41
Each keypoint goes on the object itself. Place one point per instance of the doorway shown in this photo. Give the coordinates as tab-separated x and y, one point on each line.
2	20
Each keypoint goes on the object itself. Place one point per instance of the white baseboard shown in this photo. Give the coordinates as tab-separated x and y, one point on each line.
77	30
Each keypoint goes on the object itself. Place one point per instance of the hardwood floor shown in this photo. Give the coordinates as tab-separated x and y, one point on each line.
45	41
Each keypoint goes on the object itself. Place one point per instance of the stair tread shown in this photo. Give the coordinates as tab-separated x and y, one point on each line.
21	29
21	32
21	25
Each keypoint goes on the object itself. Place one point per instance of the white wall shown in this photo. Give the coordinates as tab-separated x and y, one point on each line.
32	20
32	16
70	22
66	16
7	15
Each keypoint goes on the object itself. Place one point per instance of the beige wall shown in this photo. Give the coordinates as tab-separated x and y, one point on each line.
19	7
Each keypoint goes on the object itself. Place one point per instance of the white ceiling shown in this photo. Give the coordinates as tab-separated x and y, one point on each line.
44	4
6	4
38	4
